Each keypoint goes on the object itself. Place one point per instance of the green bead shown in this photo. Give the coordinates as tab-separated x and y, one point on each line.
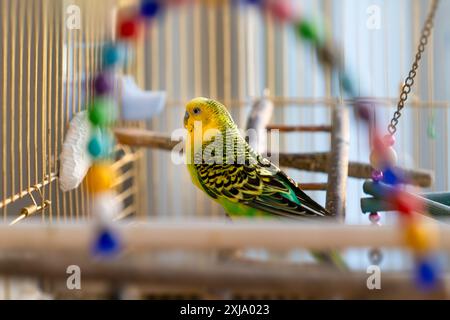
102	113
308	31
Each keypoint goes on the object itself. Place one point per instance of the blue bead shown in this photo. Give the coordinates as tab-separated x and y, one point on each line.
112	55
107	243
149	8
426	274
254	2
391	177
95	147
347	84
101	144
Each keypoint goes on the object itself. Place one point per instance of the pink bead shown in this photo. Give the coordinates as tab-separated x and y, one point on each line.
281	9
389	140
377	175
374	217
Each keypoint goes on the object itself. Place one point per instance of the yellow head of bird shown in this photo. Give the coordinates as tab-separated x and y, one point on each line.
208	113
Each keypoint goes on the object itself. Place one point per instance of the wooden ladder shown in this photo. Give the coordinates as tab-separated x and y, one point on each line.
337	157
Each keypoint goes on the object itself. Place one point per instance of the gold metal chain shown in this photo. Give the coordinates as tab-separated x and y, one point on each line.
409	81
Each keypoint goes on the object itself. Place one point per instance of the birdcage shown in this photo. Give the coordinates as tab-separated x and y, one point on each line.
243	57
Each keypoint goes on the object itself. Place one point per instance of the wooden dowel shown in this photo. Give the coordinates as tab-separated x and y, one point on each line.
207	235
316	162
287	128
144	138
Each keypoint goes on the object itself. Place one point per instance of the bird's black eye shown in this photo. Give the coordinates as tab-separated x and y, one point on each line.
196	110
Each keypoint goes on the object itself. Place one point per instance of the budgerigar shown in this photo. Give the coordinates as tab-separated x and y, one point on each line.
223	165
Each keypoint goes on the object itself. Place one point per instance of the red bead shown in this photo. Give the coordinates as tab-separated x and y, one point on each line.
406	203
128	29
282	10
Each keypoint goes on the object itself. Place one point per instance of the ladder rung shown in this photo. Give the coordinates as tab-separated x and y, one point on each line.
286	128
312	186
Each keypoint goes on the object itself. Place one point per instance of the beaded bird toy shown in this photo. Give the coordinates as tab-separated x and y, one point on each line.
387	181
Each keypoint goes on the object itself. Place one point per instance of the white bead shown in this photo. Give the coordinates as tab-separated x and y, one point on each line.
105	206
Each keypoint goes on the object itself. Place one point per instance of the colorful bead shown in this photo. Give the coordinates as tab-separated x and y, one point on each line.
107	243
102	112
377	175
427	274
100	145
347	84
128	28
253	2
385	158
149	8
388	140
95	147
105	206
281	9
416	237
374	217
406	203
308	31
100	177
103	83
420	237
392	177
112	55
363	110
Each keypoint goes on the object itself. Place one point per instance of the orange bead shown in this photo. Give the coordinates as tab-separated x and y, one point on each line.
421	237
100	177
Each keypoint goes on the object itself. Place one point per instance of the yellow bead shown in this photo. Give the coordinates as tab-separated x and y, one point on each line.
420	237
381	160
100	177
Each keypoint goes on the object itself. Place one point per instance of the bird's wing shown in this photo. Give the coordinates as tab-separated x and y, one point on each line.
260	185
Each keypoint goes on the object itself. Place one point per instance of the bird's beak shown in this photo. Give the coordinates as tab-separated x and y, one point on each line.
186	118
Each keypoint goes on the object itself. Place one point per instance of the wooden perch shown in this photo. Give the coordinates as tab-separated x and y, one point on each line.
338	163
287	128
152	275
207	235
303	161
144	138
318	162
